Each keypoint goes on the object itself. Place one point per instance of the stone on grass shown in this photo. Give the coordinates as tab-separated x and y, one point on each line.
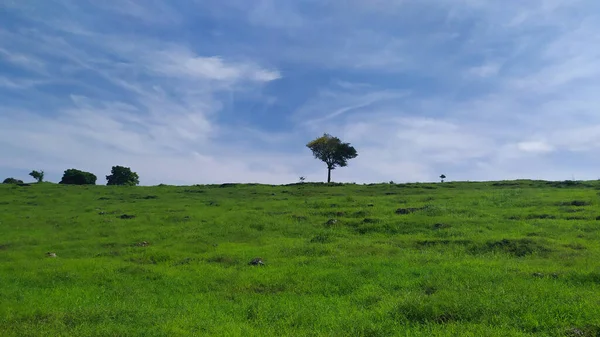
331	222
256	262
574	332
51	254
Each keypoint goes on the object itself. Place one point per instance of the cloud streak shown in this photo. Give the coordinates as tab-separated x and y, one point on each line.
211	91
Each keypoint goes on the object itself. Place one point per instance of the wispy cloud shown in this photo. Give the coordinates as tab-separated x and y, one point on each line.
210	91
184	64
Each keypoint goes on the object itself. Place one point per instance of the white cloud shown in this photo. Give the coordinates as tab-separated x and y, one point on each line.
340	101
26	61
535	147
95	141
160	120
473	89
181	63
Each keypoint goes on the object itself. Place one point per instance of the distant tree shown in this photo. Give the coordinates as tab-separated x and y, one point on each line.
122	176
12	181
443	177
302	179
332	152
37	175
77	177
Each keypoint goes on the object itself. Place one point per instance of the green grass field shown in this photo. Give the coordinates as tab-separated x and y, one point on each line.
516	258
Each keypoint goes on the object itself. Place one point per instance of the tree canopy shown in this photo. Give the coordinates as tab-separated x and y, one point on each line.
121	175
332	151
37	175
77	177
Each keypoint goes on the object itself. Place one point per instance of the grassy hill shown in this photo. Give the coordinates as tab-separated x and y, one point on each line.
513	258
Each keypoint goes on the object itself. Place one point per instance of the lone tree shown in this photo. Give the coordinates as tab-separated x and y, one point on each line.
122	176
37	175
443	176
77	177
332	152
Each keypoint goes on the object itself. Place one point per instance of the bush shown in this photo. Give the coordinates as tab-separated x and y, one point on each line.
122	176
77	177
12	181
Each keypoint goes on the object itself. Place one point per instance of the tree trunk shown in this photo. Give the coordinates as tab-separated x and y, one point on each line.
328	175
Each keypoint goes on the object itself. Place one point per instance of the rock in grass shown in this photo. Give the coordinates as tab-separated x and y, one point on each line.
331	222
51	254
127	216
256	262
574	332
142	244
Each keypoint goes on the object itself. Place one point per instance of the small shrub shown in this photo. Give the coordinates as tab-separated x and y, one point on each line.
12	181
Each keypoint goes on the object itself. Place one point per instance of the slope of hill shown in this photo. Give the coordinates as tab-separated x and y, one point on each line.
466	259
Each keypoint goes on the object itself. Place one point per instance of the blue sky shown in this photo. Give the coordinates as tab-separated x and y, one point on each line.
202	91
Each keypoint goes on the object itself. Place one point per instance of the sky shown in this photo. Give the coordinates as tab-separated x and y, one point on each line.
214	91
